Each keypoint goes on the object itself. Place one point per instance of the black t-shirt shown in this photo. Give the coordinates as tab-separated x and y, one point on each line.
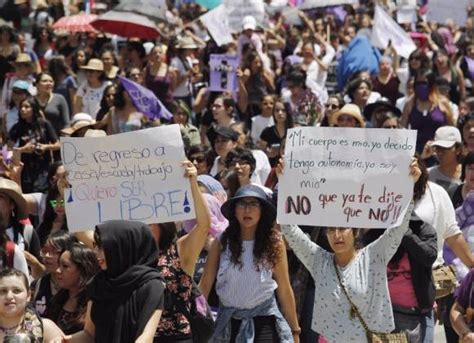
270	135
455	193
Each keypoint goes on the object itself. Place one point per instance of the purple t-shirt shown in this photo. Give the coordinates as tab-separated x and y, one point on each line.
464	293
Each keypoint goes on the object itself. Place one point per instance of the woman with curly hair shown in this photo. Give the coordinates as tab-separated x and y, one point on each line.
249	262
77	265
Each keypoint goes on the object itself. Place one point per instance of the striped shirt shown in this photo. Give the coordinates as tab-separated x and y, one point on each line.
243	287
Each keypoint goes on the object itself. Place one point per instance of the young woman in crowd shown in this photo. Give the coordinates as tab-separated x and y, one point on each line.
107	101
44	288
202	157
258	83
159	76
181	116
249	264
362	272
443	67
53	105
110	64
124	116
126	296
466	127
176	264
20	92
426	110
223	113
35	138
16	318
90	92
271	137
67	308
64	80
264	119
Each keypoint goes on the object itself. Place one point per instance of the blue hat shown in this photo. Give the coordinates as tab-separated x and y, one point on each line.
23	85
253	191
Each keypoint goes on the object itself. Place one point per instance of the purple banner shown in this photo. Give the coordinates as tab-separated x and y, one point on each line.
145	100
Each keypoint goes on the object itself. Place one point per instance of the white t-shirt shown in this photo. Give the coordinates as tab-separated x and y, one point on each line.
436	209
91	97
259	123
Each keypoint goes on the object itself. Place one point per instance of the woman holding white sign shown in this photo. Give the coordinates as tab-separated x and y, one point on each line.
351	282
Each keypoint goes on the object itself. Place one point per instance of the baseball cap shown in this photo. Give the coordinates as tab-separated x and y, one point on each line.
447	136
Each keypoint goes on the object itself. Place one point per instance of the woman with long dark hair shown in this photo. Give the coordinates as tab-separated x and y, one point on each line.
176	264
271	137
36	140
44	288
53	105
426	110
54	218
249	265
77	265
64	80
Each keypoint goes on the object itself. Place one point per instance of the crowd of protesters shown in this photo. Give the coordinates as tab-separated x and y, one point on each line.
130	282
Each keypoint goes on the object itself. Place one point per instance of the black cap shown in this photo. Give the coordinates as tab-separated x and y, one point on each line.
223	131
381	103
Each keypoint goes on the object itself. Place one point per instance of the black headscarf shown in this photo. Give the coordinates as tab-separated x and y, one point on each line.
127	293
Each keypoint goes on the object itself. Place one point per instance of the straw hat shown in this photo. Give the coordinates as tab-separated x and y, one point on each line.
79	121
186	43
94	64
23	58
13	191
350	110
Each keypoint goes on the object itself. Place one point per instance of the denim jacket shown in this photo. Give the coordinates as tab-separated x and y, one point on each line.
246	332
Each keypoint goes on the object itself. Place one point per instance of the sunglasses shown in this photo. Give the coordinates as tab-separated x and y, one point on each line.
55	203
390	127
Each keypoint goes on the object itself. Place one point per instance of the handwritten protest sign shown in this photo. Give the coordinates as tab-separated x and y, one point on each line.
217	24
340	177
223	76
442	10
131	176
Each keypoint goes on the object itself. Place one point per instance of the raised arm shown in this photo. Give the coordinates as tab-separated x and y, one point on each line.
190	245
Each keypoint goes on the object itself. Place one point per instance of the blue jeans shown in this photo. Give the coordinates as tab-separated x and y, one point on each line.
421	326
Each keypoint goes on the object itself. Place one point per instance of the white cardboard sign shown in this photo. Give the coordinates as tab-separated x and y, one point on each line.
131	176
346	177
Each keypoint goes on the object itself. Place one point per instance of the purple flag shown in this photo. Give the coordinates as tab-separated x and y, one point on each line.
145	100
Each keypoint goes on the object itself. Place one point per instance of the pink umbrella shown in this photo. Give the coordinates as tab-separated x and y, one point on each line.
126	24
76	23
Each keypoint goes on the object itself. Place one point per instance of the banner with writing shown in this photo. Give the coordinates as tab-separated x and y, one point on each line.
340	177
217	24
223	76
131	176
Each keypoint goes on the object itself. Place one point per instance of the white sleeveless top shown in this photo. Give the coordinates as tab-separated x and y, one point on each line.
245	287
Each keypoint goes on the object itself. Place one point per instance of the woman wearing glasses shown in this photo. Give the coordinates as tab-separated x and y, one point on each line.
335	103
249	264
54	218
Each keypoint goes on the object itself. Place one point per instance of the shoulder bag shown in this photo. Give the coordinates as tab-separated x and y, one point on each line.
372	337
